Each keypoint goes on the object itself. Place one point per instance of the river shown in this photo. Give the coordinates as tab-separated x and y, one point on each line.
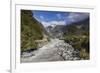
55	50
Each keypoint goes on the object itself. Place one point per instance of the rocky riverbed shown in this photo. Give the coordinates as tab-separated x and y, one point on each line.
55	50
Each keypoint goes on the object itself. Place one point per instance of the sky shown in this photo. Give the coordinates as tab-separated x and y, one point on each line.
58	18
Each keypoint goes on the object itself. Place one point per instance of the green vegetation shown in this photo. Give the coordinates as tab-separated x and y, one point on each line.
81	43
78	36
31	30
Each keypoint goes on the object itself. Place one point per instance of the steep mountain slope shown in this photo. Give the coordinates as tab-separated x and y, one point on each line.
31	30
78	27
77	35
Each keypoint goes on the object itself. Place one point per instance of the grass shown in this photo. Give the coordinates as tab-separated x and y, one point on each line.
31	30
80	42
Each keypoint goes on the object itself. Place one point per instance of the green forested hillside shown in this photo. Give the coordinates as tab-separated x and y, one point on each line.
77	34
31	30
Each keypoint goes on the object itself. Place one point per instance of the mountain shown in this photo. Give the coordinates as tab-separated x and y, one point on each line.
56	31
77	35
31	30
78	27
75	28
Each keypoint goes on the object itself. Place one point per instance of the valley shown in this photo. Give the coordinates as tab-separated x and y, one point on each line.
54	42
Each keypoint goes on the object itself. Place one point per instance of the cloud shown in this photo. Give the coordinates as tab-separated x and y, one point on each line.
58	22
53	23
74	17
41	17
59	15
45	23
